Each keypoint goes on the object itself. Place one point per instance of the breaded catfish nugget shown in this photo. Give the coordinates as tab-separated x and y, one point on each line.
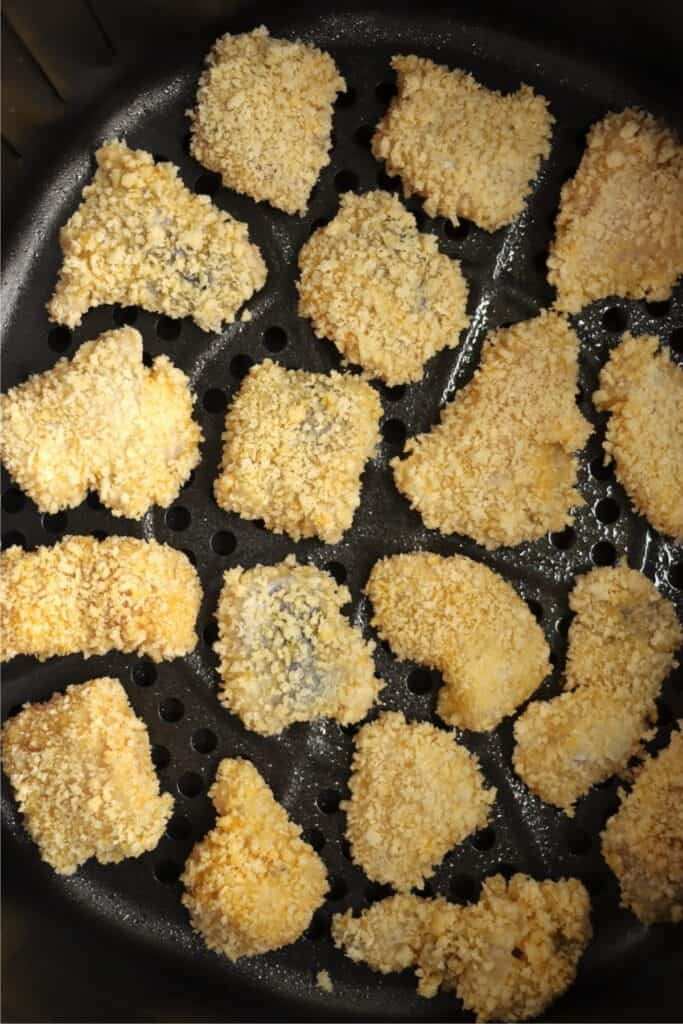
102	422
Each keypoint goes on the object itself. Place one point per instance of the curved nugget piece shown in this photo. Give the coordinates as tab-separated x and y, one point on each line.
84	596
619	230
294	448
102	422
380	289
643	390
499	466
469	151
141	238
415	793
621	648
643	841
252	884
263	118
81	769
287	654
466	621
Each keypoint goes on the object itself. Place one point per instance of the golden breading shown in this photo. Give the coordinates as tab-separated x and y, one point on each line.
81	769
102	422
415	793
643	390
621	648
469	151
643	842
252	884
463	619
287	654
141	238
84	596
294	448
380	289
499	466
263	118
619	230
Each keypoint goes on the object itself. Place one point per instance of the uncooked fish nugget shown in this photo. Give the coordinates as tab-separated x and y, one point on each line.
415	793
500	466
81	769
84	596
294	448
642	388
141	238
263	118
380	289
621	648
469	151
102	422
619	230
252	884
461	618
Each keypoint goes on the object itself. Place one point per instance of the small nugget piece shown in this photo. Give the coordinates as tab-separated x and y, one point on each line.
263	118
621	648
469	151
381	290
102	422
81	769
499	466
252	884
619	230
84	596
141	238
643	390
415	793
294	448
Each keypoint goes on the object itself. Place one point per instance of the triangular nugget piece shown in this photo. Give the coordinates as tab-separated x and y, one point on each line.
619	230
500	465
252	884
141	238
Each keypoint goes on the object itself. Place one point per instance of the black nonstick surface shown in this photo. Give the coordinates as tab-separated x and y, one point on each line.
114	942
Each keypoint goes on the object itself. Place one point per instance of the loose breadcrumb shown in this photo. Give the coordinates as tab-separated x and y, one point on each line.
469	151
287	654
621	648
643	390
415	793
500	466
89	597
294	448
102	422
463	619
141	238
252	884
324	982
381	290
619	230
263	118
81	769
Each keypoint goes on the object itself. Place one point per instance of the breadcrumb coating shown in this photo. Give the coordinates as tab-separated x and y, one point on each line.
642	388
324	982
499	466
102	422
81	769
415	793
621	648
252	884
619	230
141	238
466	621
84	596
380	289
469	151
263	118
294	448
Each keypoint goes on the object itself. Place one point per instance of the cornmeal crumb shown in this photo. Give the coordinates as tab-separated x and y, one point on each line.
324	982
